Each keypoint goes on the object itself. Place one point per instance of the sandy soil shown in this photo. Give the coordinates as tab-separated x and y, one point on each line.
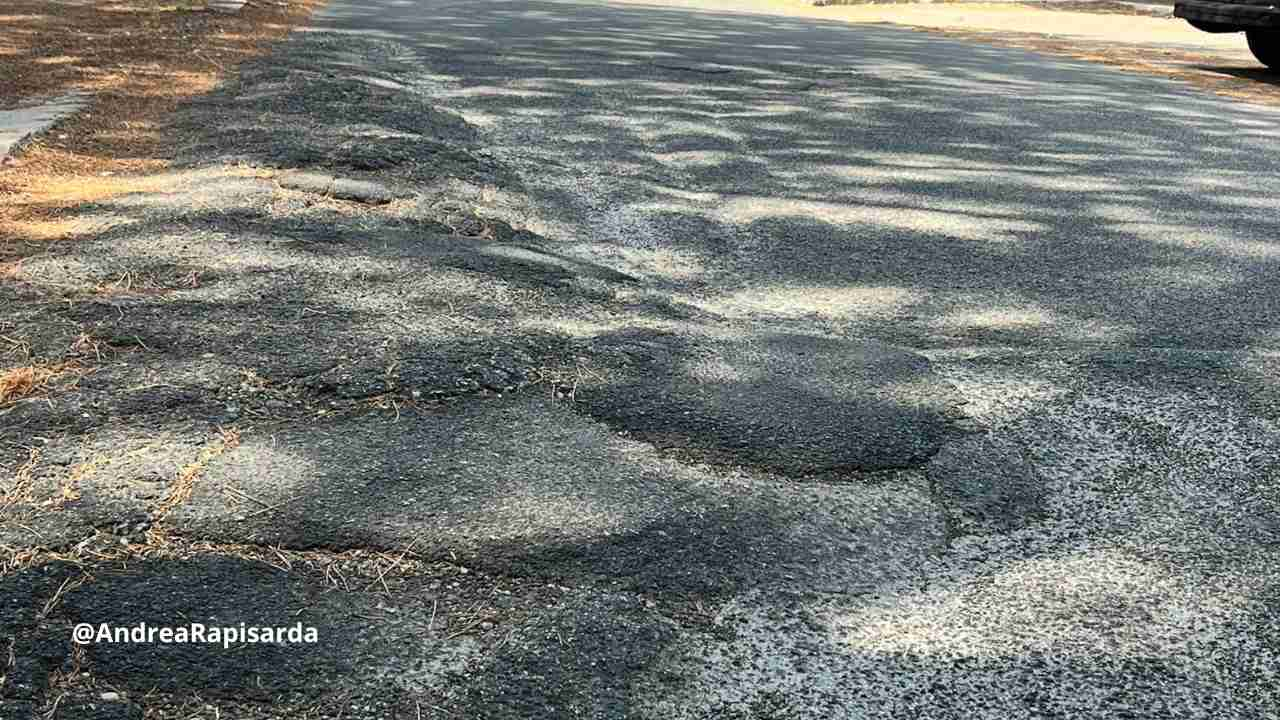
138	60
1017	18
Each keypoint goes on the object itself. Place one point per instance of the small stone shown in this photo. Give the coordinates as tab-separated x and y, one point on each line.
228	7
110	696
361	191
306	182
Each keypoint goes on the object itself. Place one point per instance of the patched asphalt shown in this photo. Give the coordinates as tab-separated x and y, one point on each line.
793	404
583	360
527	487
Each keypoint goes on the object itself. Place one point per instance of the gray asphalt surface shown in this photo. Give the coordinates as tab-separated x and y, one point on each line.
717	366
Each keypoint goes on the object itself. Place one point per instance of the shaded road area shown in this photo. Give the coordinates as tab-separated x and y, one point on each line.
661	362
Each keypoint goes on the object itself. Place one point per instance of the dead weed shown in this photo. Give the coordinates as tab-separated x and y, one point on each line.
138	60
27	381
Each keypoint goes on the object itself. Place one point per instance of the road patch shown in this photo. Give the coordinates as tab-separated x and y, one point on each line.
525	486
793	404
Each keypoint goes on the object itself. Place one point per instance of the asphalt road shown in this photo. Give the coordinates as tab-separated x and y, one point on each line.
720	365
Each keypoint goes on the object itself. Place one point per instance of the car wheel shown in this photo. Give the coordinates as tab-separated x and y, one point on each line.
1212	27
1265	45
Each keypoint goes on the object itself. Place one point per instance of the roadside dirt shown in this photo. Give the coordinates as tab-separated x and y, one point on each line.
1100	7
138	60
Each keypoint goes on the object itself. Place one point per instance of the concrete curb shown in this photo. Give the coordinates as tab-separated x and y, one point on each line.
229	7
19	126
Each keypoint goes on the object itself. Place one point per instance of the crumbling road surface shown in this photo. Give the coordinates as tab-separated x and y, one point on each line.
572	360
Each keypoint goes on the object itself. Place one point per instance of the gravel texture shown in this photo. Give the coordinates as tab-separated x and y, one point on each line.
701	365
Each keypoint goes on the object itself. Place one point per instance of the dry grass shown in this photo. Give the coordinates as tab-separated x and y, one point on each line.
15	347
20	490
67	585
65	681
88	346
10	270
562	383
184	483
356	570
69	486
83	44
30	380
139	60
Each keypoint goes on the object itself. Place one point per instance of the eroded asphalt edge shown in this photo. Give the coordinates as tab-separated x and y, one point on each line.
115	478
602	658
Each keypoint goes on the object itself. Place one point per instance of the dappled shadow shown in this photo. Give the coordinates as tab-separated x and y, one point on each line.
347	111
794	404
1045	196
1101	629
670	176
551	496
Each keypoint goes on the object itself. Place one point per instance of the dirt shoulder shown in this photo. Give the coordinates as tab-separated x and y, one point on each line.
138	61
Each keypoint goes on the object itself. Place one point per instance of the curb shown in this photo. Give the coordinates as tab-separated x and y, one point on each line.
20	126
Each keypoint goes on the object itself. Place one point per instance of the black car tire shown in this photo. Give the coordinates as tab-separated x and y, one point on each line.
1213	27
1265	45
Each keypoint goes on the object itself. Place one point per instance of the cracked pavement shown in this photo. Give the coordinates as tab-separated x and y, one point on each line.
660	362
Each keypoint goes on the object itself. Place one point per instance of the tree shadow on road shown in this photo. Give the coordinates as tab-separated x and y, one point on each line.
396	383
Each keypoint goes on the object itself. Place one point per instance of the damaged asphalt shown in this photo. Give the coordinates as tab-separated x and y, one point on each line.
561	359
